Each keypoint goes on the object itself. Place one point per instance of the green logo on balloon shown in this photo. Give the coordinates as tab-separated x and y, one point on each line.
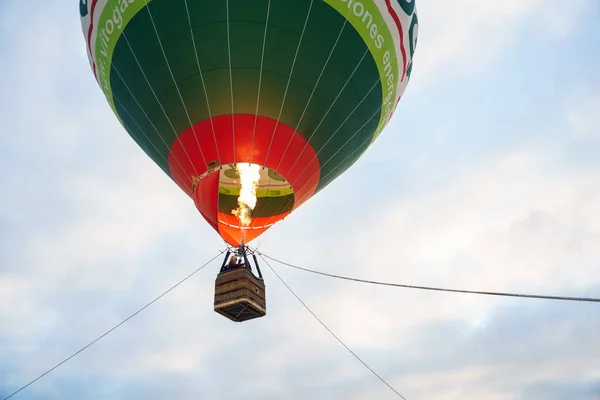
83	8
407	5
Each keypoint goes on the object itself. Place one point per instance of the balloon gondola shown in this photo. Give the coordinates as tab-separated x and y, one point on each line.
251	107
239	293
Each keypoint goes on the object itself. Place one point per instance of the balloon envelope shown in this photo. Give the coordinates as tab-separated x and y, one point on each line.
298	87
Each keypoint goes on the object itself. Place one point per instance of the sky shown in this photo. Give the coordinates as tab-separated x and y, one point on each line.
492	183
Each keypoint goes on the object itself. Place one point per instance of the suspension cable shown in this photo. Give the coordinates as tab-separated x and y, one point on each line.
327	328
439	289
112	329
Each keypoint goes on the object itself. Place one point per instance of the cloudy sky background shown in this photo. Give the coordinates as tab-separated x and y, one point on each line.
492	183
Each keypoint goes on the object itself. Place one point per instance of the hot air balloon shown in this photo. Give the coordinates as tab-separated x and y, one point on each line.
251	107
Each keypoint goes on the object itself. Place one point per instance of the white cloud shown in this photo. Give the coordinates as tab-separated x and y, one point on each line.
518	223
584	119
464	35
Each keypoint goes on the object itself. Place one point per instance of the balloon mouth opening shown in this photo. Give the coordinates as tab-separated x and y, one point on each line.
259	192
243	190
255	192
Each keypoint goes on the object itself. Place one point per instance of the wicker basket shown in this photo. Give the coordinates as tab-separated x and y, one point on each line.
239	295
